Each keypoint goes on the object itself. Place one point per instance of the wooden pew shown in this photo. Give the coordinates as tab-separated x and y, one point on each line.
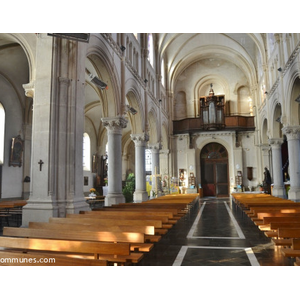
10	258
261	216
281	219
167	223
172	213
149	230
130	213
275	226
108	222
141	247
85	249
294	251
100	236
253	211
136	240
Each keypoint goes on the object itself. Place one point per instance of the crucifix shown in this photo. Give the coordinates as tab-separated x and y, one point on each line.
40	163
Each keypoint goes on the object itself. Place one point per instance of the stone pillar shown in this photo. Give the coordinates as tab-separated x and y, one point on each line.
293	134
41	205
156	184
140	141
265	156
57	131
114	126
278	188
124	166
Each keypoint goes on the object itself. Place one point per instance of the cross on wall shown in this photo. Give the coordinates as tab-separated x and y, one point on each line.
41	164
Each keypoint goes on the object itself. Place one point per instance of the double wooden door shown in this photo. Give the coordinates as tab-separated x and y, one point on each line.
214	170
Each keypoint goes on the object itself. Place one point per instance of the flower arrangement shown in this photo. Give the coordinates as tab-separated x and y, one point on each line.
93	193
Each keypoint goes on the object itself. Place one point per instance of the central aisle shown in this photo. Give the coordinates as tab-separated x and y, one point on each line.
214	233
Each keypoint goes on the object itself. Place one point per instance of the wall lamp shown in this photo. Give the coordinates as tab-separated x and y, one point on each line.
131	110
146	80
93	78
279	69
123	48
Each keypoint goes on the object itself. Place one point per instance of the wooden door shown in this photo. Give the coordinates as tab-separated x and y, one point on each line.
214	170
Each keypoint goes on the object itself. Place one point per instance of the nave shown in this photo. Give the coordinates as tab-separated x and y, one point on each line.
215	232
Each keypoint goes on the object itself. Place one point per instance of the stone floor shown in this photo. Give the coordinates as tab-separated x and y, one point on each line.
215	233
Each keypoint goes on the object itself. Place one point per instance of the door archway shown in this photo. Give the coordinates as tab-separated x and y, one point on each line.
214	170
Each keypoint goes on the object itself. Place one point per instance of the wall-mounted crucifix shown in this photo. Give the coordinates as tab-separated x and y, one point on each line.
40	163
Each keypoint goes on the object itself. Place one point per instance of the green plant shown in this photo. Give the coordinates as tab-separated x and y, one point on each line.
129	188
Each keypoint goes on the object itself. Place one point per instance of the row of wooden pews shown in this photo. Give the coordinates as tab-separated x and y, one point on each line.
11	210
116	235
278	218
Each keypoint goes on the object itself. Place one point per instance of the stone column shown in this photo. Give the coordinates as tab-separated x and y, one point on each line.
124	166
155	168
57	131
278	188
114	126
140	141
293	134
41	205
265	156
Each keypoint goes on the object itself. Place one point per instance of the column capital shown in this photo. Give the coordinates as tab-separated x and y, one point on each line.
291	132
276	143
140	139
114	124
265	147
154	147
29	89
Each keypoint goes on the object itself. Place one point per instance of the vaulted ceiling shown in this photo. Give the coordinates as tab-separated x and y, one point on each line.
180	50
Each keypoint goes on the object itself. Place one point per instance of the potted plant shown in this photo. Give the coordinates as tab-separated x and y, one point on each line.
129	188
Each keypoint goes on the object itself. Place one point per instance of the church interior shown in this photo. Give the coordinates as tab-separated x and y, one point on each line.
196	117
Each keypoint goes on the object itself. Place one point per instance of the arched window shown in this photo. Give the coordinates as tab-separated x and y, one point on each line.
86	160
150	49
2	127
163	72
148	158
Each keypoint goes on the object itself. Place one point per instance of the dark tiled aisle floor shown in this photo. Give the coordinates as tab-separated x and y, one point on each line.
215	233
